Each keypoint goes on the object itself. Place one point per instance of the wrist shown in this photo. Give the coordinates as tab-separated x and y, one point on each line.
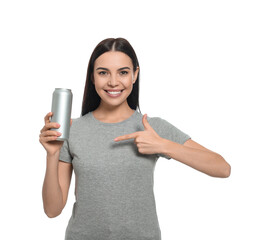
53	157
166	147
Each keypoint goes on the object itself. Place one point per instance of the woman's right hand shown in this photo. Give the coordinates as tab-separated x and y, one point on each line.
47	137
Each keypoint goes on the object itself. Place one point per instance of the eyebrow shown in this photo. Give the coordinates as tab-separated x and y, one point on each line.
108	69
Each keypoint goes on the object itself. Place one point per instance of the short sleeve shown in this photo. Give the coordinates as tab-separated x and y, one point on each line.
168	131
65	154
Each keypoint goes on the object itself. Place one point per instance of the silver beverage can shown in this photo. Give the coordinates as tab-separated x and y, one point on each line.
61	109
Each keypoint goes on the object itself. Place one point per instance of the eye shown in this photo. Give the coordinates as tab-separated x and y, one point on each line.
102	73
124	72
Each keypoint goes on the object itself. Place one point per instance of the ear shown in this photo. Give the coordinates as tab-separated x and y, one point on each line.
135	75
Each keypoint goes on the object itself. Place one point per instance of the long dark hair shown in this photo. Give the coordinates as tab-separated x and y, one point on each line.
91	99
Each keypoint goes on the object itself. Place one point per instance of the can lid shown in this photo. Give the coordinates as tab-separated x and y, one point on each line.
63	89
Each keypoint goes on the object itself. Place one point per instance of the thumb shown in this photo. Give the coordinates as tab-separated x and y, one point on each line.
146	124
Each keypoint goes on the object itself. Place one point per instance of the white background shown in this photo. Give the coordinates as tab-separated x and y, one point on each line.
198	67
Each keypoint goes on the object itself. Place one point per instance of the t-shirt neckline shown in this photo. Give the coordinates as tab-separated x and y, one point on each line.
112	124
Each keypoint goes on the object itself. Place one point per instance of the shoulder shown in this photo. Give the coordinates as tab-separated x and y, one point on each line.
76	122
161	125
154	120
158	121
80	124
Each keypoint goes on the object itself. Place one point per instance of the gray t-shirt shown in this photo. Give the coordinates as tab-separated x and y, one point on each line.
114	182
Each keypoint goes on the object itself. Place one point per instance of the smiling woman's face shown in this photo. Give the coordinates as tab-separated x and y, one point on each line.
113	70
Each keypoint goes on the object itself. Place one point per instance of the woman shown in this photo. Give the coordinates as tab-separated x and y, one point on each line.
113	150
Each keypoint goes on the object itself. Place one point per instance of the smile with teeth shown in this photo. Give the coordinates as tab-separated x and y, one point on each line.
114	93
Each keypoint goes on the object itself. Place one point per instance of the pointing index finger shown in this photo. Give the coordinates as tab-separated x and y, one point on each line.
124	137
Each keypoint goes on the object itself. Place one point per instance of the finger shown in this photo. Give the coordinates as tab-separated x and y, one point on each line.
47	120
50	125
127	136
49	136
145	122
47	139
50	133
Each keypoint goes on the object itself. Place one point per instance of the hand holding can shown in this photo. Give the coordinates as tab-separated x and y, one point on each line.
47	137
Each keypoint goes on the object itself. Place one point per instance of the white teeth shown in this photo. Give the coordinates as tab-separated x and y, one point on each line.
114	92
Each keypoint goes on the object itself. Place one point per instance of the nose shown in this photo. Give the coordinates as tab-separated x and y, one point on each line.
113	81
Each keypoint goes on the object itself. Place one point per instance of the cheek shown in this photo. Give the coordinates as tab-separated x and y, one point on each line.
99	83
128	88
128	82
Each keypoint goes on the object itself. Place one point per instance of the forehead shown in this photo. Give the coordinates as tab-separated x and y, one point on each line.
113	59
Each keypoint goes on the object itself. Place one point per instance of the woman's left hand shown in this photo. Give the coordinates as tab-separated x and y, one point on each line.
147	141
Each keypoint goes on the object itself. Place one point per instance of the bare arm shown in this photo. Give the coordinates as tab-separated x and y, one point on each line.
198	157
56	185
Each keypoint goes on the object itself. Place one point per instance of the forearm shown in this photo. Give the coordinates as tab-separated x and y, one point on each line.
207	162
51	192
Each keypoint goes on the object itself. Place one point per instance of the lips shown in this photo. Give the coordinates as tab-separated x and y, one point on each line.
111	90
114	94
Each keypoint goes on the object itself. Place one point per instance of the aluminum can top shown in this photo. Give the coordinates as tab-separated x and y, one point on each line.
62	89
